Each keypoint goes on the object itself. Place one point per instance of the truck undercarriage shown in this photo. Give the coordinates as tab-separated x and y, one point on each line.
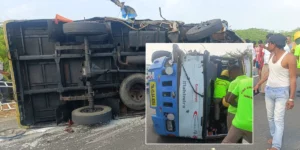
99	63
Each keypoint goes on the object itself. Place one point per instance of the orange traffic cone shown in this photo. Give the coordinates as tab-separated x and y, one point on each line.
61	19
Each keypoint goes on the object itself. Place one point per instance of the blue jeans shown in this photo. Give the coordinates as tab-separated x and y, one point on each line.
276	99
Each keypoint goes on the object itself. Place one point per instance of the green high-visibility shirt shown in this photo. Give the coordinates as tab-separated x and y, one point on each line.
233	84
221	86
297	53
244	116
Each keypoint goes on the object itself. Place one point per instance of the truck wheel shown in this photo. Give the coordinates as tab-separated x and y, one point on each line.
204	30
85	28
85	116
161	53
132	91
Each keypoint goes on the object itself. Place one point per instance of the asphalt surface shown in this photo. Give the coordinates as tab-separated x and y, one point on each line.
129	134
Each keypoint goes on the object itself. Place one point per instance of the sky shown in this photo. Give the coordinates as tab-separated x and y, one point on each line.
217	49
274	15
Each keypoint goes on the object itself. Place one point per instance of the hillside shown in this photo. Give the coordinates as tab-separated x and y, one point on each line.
254	34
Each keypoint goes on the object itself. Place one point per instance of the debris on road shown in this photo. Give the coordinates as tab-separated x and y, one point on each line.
10	134
68	128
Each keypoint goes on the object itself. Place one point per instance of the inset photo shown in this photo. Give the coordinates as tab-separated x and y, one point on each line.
199	93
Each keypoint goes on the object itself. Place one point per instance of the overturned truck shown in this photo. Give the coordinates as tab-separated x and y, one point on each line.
91	70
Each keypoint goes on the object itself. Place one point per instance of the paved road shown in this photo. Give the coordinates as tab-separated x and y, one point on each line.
261	131
129	134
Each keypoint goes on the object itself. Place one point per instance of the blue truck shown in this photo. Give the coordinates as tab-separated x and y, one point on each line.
181	91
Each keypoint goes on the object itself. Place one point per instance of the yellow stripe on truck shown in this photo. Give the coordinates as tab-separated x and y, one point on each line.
12	75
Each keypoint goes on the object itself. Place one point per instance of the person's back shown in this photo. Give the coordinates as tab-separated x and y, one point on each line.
243	118
242	123
220	88
233	84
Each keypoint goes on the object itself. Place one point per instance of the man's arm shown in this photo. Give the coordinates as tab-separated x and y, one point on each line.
230	88
263	79
292	63
231	99
232	95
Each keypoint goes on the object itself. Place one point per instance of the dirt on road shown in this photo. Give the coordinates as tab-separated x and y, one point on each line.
51	136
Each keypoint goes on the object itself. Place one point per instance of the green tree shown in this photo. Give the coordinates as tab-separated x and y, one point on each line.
4	54
254	34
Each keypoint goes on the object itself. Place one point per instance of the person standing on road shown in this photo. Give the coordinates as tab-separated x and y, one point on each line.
243	120
253	52
259	57
221	86
287	48
297	51
236	73
290	43
265	67
280	89
256	57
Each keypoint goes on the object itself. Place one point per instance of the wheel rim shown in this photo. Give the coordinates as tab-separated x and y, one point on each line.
137	92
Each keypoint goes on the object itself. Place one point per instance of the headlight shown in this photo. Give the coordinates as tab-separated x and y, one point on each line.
170	116
169	70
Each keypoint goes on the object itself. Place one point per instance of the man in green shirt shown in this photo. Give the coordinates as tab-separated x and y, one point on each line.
236	73
221	86
242	124
297	51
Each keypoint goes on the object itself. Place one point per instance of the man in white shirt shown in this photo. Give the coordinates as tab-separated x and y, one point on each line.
280	89
287	48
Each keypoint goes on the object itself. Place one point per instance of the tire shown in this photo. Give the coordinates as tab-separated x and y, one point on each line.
84	28
133	84
99	117
161	53
204	30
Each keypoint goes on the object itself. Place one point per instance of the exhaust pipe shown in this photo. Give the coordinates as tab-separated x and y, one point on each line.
130	59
